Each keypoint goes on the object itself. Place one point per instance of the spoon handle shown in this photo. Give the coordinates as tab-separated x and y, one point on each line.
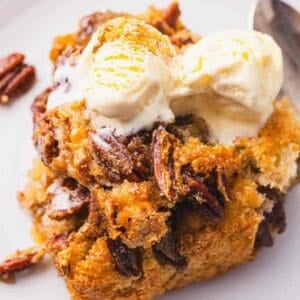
282	22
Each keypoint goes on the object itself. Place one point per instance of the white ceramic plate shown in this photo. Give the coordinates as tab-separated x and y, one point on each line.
29	26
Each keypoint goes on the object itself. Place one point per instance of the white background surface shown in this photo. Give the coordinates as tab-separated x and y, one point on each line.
28	26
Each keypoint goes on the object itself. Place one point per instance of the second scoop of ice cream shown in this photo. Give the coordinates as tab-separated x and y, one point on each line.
126	82
233	78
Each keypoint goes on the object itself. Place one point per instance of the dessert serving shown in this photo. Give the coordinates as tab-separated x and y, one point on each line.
163	157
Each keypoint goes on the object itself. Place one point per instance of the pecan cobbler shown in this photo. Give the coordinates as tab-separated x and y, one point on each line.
163	158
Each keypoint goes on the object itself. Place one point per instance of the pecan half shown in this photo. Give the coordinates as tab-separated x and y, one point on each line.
139	148
15	77
126	260
68	198
166	251
204	196
9	62
20	261
114	156
163	146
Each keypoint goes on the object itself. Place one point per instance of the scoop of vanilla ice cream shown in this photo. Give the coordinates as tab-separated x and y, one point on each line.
121	79
126	82
236	75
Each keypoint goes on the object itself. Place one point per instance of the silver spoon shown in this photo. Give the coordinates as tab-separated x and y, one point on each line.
282	22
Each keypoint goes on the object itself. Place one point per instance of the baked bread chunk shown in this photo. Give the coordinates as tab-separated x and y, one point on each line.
131	217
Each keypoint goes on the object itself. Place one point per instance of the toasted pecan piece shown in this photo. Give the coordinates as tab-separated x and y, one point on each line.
207	197
204	195
126	260
114	155
77	197
166	251
9	62
163	147
19	261
15	77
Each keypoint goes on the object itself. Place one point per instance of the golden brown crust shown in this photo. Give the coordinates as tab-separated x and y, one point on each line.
276	148
138	214
210	248
133	213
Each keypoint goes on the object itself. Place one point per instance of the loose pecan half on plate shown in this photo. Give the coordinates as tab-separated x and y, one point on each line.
19	261
16	77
